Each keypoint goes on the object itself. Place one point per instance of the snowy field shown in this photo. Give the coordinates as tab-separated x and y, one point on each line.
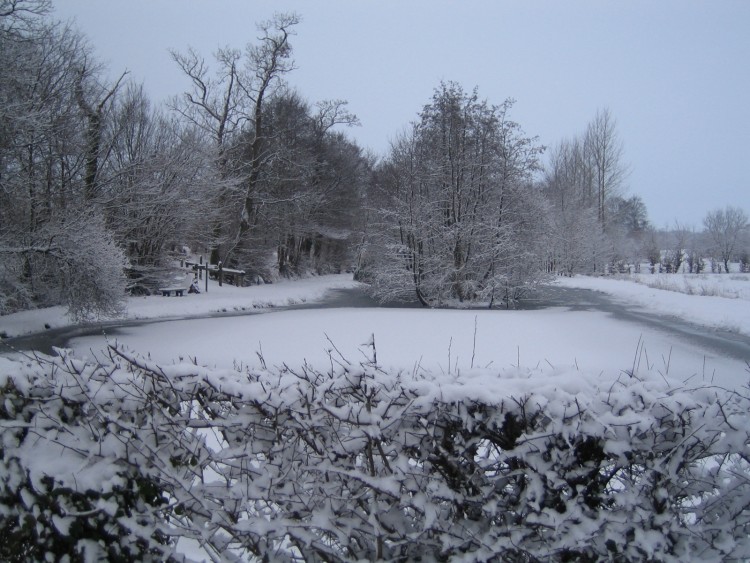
447	341
732	286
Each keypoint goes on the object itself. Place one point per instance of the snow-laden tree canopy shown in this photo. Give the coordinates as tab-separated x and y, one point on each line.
122	458
456	215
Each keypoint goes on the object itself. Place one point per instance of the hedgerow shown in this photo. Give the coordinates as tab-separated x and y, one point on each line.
121	458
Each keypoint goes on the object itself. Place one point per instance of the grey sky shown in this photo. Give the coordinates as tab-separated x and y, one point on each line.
675	74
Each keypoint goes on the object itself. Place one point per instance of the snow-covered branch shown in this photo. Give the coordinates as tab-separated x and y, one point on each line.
361	463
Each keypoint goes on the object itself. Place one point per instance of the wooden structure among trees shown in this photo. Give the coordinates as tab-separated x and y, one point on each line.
218	271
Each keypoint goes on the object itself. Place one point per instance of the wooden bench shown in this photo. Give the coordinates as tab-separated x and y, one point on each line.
178	291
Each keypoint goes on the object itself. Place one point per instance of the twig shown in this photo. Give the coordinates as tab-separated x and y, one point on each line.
474	346
669	361
635	357
347	362
259	353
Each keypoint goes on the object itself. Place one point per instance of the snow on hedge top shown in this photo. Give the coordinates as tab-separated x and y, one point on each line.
359	459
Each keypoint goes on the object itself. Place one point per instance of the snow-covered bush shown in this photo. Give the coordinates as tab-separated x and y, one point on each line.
79	463
357	462
72	259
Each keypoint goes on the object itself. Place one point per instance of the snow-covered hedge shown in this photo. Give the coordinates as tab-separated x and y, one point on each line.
121	458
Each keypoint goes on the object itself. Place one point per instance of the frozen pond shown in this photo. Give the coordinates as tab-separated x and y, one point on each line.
442	340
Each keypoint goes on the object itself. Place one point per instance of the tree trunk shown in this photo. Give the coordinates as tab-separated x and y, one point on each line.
421	298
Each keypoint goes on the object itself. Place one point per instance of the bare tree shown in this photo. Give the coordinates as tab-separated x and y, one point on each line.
575	241
630	213
267	62
22	17
693	251
227	103
604	152
308	193
585	175
215	103
678	251
161	188
725	228
217	106
19	8
94	114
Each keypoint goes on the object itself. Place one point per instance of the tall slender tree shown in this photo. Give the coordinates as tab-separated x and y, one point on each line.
584	179
604	151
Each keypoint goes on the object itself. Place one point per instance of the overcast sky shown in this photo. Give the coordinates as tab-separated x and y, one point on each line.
675	74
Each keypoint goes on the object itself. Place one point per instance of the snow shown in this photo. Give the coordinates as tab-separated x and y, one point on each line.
418	340
216	299
556	357
720	301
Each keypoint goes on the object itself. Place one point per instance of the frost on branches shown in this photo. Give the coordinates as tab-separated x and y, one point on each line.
121	458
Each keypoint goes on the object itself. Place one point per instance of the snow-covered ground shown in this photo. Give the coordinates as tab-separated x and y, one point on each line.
719	301
570	346
216	299
433	340
449	341
733	286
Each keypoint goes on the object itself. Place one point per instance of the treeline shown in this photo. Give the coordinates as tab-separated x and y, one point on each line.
465	210
101	191
723	241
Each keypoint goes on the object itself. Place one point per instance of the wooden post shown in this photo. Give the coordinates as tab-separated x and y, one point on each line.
200	269
221	273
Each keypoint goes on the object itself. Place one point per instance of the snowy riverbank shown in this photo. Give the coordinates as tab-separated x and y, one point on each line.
216	299
718	301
